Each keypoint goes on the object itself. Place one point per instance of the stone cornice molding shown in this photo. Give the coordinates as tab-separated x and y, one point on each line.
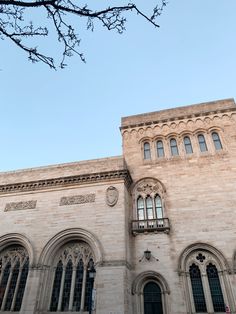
178	118
67	181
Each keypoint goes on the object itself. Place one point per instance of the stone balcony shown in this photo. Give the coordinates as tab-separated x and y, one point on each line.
150	225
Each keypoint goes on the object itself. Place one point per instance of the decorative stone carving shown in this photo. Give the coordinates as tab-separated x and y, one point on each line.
77	199
67	181
112	196
20	205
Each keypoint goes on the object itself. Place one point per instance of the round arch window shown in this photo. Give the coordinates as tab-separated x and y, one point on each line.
152	298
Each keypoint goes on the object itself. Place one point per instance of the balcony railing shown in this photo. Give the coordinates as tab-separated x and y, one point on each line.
150	225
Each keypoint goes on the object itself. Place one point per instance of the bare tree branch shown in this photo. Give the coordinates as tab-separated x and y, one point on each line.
13	14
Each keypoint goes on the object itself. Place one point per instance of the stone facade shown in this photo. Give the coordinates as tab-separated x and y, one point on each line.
163	213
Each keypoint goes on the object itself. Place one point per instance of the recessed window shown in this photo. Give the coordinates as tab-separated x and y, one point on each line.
188	145
202	143
160	149
174	147
216	141
146	150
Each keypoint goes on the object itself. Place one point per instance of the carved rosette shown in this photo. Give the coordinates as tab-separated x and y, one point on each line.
112	195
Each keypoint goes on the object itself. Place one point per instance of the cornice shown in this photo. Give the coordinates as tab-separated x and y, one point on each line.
66	181
177	118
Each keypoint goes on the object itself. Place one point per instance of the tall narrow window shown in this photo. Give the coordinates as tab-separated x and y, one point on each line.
146	150
140	204
149	207
152	298
72	287
158	205
188	145
15	266
160	149
174	147
197	288
215	288
216	140
202	143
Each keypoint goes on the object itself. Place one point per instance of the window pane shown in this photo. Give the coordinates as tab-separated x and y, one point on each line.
188	145
140	205
152	298
56	287
88	290
197	288
160	149
216	292
12	287
149	208
202	143
173	147
6	273
20	293
147	151
78	286
66	288
158	204
216	140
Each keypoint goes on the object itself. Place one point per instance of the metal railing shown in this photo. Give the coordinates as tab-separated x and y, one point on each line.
150	225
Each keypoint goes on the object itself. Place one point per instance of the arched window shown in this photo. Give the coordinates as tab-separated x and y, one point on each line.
14	263
160	149
174	147
188	145
158	207
216	141
149	207
146	150
205	279
71	285
140	208
202	143
152	298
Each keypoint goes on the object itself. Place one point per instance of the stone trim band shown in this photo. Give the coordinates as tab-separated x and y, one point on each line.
66	181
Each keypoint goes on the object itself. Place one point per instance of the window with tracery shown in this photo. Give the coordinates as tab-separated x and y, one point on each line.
205	283
14	267
216	141
72	288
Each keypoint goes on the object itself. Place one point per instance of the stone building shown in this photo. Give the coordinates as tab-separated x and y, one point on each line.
157	224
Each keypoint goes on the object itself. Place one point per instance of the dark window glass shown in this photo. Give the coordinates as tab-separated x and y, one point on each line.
215	288
216	140
174	147
160	149
202	143
5	276
12	286
78	285
188	145
67	285
152	299
56	287
146	150
21	289
88	289
197	288
140	205
158	205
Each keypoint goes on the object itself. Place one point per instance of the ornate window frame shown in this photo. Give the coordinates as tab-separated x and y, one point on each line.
137	290
210	256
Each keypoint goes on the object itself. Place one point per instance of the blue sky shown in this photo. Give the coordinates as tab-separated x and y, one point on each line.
50	117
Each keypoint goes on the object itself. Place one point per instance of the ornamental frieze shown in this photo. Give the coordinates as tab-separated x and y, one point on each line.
77	199
20	205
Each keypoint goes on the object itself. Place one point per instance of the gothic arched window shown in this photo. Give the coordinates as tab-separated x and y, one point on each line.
160	149
188	145
71	285
202	143
205	279
152	298
14	262
216	141
146	150
173	147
